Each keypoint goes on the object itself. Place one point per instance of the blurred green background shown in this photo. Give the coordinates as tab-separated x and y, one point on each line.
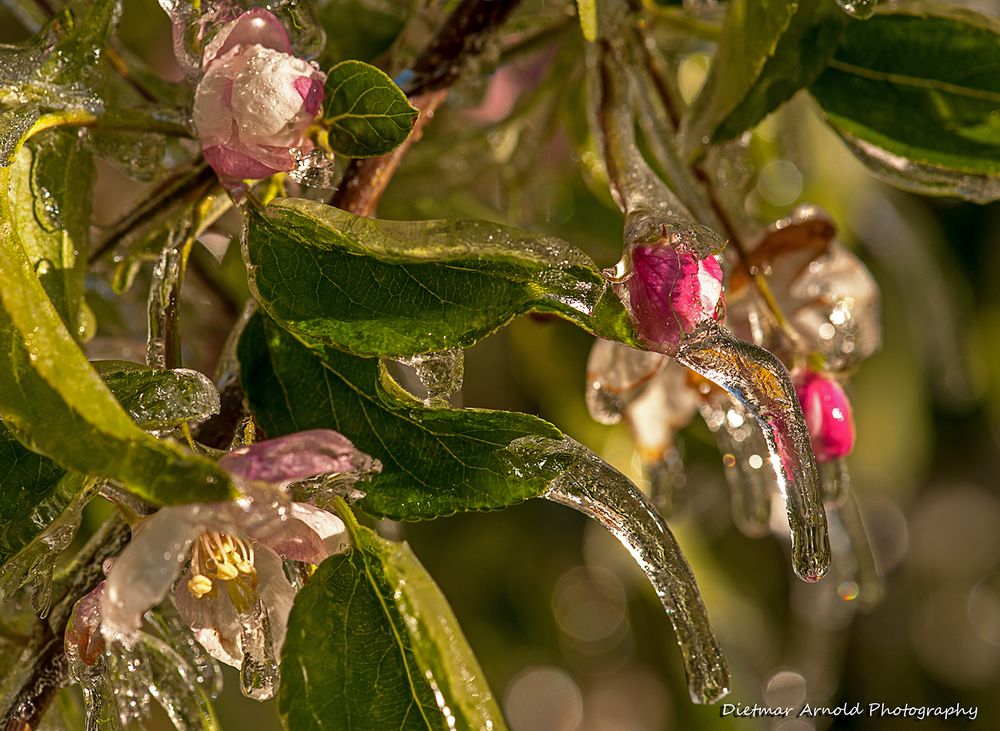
569	633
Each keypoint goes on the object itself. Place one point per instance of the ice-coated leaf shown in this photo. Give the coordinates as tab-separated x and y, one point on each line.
50	193
593	487
372	645
367	114
159	399
57	405
60	66
434	461
915	95
29	498
399	288
15	124
769	50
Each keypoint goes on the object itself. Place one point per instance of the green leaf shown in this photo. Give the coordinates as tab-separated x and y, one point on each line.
29	498
57	405
367	114
435	462
15	124
398	288
50	190
373	645
587	12
160	399
916	97
768	51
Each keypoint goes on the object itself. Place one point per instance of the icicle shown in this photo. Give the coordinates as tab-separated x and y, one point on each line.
259	672
162	346
597	490
667	483
182	641
759	381
34	563
836	482
440	373
171	682
748	470
869	588
86	662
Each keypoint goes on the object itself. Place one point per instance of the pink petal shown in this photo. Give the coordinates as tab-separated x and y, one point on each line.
214	621
233	163
311	91
295	457
254	27
670	292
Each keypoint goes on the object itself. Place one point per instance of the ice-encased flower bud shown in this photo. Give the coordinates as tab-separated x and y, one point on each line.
669	292
828	415
256	99
83	630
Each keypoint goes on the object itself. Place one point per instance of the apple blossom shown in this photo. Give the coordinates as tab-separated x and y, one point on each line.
255	100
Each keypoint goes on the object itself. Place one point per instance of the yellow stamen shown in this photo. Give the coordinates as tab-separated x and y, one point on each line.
222	557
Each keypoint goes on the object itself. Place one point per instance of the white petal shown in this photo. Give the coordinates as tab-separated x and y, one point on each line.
213	115
146	569
213	620
327	526
266	106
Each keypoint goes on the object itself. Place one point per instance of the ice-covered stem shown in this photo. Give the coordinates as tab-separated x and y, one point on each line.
759	381
594	488
461	39
47	668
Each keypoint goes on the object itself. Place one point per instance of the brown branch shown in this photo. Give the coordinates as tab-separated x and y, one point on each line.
464	36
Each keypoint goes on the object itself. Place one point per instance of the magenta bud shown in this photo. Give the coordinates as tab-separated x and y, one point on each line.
828	415
669	292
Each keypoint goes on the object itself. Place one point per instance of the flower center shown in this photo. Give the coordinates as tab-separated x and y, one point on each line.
222	557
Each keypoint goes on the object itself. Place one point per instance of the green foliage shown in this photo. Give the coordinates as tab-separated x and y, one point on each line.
157	398
396	288
56	404
29	495
366	112
50	191
372	28
922	87
768	51
372	645
435	462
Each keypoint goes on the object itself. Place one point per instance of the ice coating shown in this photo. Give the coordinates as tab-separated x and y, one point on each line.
759	381
441	374
162	348
828	414
295	457
860	9
923	178
749	472
616	376
829	296
669	291
597	490
259	670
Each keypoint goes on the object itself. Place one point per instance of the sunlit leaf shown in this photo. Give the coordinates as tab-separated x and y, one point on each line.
916	96
395	658
365	111
378	287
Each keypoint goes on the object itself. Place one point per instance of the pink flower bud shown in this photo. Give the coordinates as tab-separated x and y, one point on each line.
256	100
83	631
670	291
828	415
